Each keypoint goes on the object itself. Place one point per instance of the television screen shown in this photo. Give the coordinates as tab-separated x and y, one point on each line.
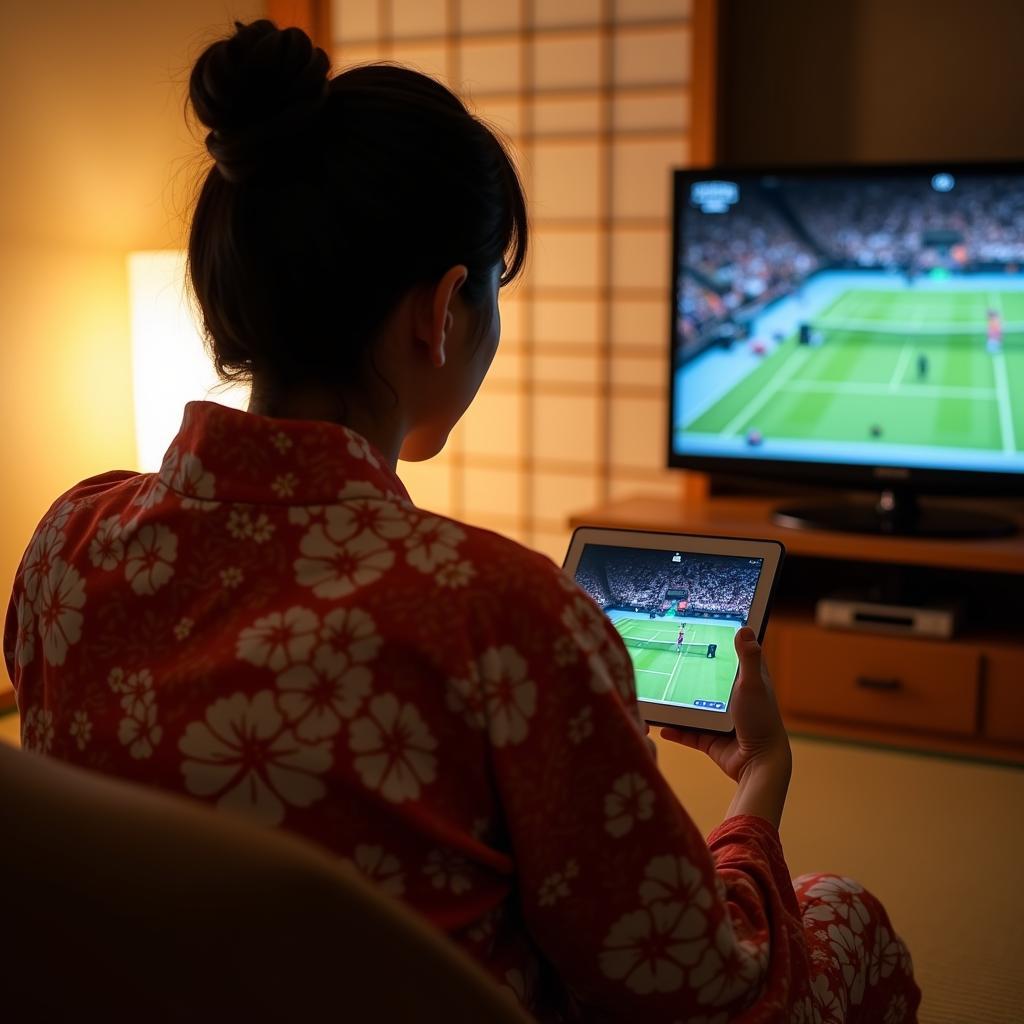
865	317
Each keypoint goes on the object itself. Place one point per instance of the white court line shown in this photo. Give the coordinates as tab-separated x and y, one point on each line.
796	360
1005	408
864	388
675	669
901	366
904	357
653	672
1002	386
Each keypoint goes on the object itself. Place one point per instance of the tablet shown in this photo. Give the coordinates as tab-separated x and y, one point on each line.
677	600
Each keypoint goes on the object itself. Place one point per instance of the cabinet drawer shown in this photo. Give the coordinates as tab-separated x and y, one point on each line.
913	684
1004	695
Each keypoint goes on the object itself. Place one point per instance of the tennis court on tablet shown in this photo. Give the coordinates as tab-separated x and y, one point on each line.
677	613
700	668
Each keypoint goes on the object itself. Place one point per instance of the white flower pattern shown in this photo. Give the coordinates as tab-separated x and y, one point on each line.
448	870
455	574
243	755
651	949
80	729
280	639
316	698
433	542
496	694
359	448
338	560
61	598
381	868
394	749
351	632
106	550
139	730
194	483
42	553
631	799
37	730
150	558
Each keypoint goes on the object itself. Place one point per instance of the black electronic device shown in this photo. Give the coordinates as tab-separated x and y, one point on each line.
857	327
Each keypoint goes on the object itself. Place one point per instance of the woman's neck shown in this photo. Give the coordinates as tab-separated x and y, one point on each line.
314	403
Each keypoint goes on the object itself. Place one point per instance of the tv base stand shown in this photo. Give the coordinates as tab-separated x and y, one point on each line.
895	513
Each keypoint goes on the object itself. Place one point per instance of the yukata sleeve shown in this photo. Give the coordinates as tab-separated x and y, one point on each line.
621	893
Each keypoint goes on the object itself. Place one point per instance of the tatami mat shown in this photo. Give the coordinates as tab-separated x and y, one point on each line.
939	841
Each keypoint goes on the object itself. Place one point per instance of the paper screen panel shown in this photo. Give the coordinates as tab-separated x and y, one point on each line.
567	116
627	11
567	62
355	20
638	431
566	179
419	18
493	423
556	14
486	16
494	493
491	66
565	258
595	97
565	427
642	177
656	56
640	259
583	368
557	495
424	55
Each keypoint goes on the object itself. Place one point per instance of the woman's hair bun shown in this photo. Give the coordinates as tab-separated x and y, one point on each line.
261	93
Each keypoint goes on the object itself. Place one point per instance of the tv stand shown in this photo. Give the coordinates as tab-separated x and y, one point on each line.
963	696
896	512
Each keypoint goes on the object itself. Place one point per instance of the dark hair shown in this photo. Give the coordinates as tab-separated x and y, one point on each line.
332	197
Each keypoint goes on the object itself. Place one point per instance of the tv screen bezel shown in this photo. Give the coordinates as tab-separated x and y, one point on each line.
835	475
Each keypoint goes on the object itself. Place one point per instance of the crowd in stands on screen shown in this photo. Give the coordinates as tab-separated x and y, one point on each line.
640	580
888	223
763	248
592	584
750	255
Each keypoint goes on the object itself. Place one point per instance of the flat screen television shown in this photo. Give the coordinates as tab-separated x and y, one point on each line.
860	327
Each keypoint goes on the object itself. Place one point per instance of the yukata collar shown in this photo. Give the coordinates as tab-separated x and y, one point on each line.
223	454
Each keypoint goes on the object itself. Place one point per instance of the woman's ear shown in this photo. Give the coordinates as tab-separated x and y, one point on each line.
435	314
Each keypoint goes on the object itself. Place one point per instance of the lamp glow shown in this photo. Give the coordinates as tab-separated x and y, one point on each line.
169	363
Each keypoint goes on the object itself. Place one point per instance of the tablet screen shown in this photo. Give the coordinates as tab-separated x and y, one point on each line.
677	613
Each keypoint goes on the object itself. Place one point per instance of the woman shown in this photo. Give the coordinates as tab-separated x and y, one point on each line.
271	626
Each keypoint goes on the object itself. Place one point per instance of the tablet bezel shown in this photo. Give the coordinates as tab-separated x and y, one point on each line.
771	551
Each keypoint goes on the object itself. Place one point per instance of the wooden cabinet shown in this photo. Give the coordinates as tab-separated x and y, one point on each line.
959	696
884	681
1004	695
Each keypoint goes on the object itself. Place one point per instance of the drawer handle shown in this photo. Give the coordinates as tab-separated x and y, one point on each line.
869	683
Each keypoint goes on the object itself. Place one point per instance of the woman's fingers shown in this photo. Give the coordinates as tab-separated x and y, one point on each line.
749	651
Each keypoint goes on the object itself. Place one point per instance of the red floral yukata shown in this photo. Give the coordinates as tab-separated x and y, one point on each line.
270	626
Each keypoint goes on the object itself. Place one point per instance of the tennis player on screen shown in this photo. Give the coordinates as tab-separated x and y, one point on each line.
994	342
680	638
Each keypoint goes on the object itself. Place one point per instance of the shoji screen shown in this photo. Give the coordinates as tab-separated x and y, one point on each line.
594	97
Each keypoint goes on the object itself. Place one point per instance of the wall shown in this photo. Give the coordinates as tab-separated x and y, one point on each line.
870	80
98	161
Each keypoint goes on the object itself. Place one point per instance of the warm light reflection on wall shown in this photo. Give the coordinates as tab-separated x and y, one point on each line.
169	364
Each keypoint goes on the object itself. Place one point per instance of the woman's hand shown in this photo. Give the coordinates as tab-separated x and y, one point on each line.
760	735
